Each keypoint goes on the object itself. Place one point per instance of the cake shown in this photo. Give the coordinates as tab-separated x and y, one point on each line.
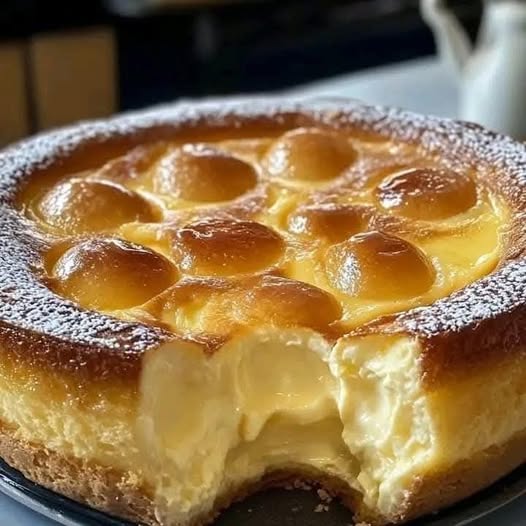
205	299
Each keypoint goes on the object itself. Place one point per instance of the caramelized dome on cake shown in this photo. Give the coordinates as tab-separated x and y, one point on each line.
309	154
111	274
224	247
427	193
225	305
78	206
203	174
331	221
200	299
287	302
379	266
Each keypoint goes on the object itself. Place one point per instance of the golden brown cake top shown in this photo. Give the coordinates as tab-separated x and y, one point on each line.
201	221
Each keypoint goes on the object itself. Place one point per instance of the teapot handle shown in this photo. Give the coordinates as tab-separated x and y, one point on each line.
453	43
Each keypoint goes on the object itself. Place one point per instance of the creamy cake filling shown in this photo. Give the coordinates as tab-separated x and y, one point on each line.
282	399
204	425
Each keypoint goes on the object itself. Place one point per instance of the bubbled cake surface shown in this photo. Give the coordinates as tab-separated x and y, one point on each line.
310	226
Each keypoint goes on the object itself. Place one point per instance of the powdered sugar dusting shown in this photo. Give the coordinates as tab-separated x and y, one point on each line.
30	310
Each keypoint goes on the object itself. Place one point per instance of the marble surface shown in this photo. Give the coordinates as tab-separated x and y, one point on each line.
422	85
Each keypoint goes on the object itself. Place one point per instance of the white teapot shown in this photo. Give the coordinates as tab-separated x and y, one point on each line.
493	75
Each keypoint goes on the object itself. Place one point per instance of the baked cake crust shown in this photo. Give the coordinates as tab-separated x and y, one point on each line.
456	331
474	329
121	493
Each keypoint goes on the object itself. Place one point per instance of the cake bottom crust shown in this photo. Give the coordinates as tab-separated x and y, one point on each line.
118	493
437	490
124	494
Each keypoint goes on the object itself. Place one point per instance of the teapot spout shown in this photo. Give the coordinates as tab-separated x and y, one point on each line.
453	43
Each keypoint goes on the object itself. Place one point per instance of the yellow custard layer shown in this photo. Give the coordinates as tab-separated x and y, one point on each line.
314	220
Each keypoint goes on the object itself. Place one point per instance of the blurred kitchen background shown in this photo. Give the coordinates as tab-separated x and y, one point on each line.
63	60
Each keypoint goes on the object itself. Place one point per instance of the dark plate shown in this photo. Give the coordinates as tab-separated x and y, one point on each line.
269	508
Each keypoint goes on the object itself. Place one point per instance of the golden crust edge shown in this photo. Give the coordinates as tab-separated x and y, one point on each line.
114	491
126	495
443	488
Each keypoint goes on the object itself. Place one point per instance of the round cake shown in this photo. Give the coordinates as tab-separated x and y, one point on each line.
205	299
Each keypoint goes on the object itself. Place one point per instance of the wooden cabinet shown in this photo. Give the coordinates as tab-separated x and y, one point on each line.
53	79
73	76
14	103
